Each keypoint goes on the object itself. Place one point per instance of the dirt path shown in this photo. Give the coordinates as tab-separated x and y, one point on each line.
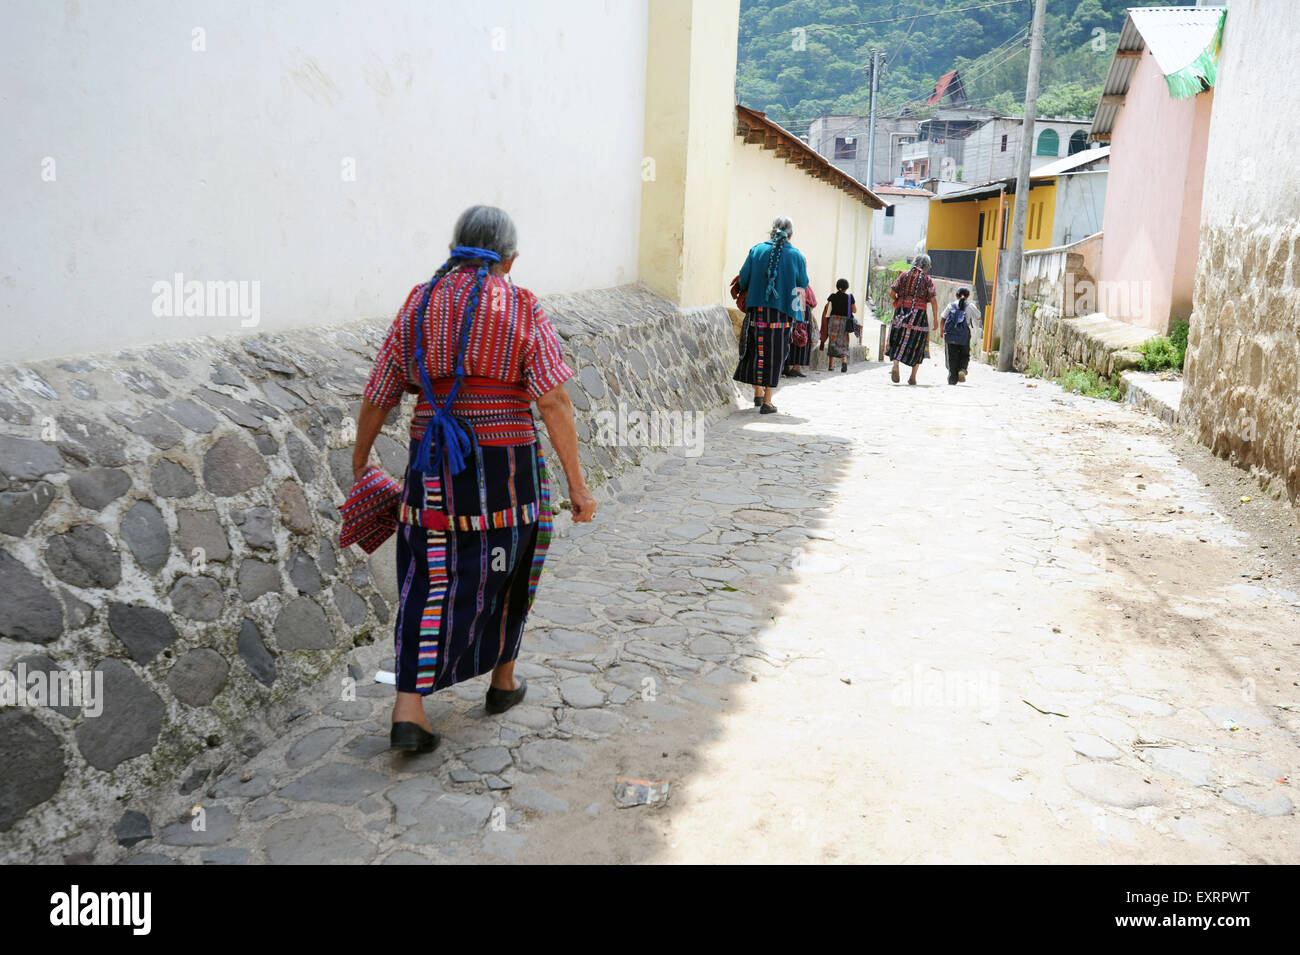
836	634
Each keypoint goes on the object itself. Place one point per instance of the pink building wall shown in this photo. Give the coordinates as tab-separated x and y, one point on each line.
1153	202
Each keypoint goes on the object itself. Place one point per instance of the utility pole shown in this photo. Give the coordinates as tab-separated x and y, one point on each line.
1006	323
871	136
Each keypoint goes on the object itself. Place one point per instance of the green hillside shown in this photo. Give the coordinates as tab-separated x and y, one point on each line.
796	76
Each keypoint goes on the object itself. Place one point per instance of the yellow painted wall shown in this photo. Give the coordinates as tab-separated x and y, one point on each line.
689	125
953	224
831	228
706	196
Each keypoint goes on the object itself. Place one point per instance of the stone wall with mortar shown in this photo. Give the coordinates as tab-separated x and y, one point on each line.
1048	326
168	520
1241	382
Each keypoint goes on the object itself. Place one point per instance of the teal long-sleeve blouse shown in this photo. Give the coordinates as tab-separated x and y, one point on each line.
791	276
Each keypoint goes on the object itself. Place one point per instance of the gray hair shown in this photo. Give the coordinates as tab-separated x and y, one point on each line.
486	227
922	262
785	225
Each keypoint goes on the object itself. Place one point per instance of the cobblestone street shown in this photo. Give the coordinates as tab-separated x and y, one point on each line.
985	623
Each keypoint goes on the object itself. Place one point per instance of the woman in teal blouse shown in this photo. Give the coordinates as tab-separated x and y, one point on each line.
772	279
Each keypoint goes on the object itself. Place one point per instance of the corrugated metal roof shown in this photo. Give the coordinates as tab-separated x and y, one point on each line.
1168	31
941	87
902	191
992	188
1085	157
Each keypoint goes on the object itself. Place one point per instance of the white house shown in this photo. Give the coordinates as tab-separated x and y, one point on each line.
898	227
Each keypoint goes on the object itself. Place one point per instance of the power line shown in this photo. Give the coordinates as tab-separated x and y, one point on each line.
982	69
902	43
867	23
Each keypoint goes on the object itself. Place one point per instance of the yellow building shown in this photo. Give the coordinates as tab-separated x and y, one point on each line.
716	174
969	229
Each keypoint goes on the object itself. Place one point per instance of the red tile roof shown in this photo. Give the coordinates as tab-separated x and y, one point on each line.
941	87
755	127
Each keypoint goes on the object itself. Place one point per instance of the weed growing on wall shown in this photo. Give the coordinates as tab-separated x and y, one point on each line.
1178	335
1085	381
1159	354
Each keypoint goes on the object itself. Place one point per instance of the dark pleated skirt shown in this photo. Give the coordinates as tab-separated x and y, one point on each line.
801	355
908	336
464	595
767	345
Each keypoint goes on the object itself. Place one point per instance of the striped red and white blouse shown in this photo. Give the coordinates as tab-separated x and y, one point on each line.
513	357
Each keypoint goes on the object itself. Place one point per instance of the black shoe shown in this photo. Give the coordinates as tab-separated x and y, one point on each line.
844	367
498	701
767	409
758	402
411	738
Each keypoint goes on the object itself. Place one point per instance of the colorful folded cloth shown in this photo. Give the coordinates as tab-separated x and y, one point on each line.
370	511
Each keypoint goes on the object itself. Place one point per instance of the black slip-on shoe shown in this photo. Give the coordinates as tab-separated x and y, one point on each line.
498	701
767	409
411	738
758	402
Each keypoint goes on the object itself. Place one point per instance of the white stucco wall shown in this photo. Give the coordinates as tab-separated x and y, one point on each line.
1080	206
911	216
228	164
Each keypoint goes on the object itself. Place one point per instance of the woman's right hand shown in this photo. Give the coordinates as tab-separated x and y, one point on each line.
583	504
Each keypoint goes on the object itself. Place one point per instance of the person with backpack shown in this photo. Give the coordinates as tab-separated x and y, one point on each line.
954	329
838	323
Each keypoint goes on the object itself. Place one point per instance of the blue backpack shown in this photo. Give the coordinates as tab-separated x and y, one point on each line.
958	317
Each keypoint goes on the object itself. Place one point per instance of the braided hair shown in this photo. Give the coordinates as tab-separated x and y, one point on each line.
780	236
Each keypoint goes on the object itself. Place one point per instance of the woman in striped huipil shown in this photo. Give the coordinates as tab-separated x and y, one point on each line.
475	518
909	332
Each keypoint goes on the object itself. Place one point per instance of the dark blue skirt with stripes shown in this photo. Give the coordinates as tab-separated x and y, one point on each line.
466	579
767	347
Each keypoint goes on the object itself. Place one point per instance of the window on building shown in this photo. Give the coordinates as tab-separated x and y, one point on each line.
1049	144
1078	141
1004	142
846	147
889	220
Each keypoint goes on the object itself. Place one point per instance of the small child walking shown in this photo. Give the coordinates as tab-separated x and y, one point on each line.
954	328
838	323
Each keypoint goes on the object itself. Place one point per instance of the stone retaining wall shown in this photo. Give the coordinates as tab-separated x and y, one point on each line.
1152	393
168	521
1048	328
1242	392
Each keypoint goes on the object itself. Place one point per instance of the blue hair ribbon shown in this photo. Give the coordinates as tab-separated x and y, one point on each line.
448	438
